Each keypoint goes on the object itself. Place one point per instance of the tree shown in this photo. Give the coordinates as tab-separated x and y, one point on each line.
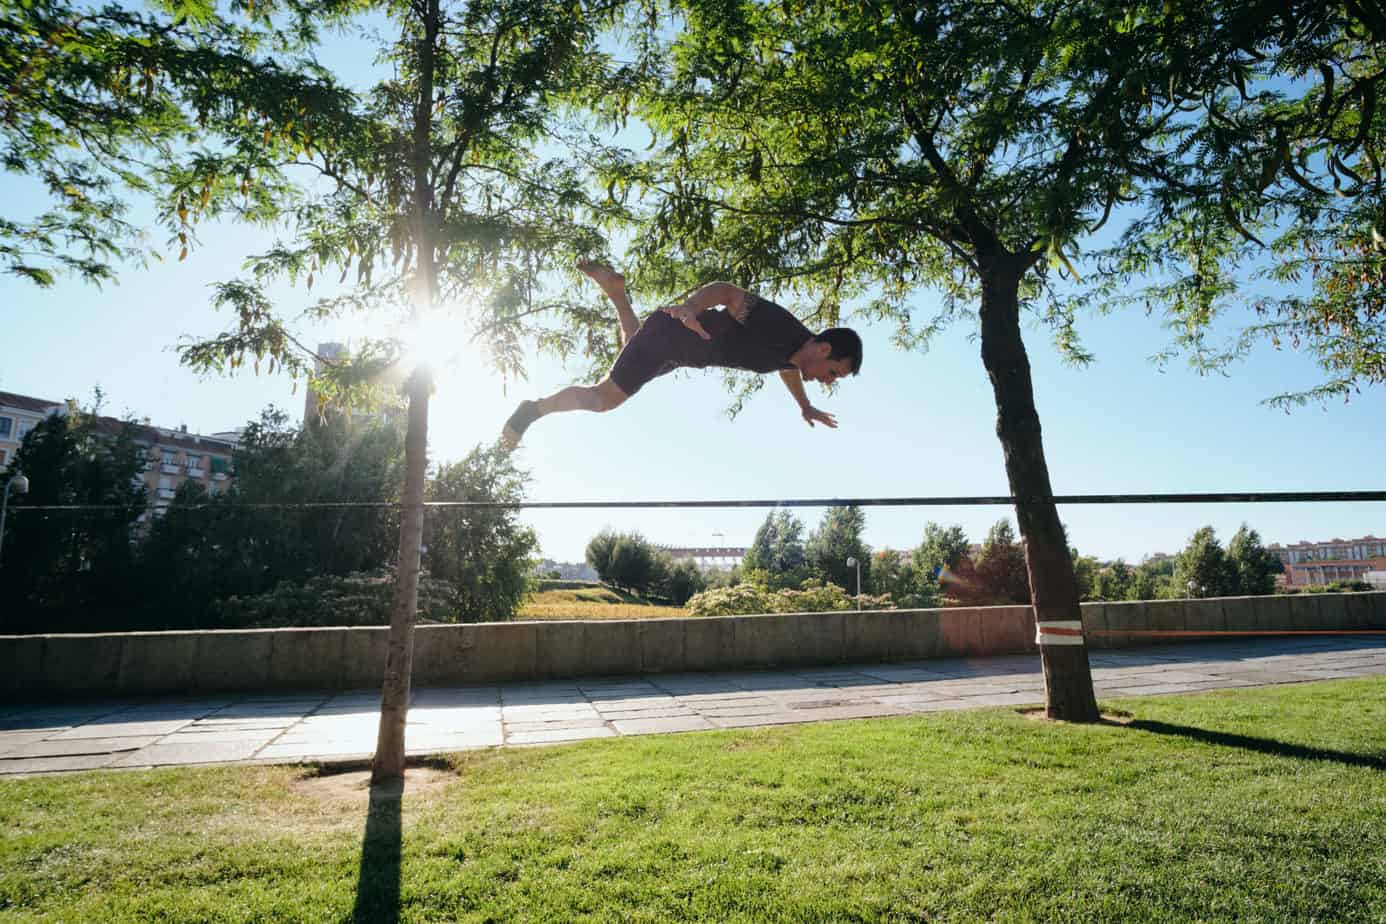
1113	582
67	571
97	99
628	561
633	563
984	144
1255	568
940	548
259	534
1153	580
483	553
682	581
599	549
838	538
1087	571
1001	565
1202	568
894	574
431	190
777	551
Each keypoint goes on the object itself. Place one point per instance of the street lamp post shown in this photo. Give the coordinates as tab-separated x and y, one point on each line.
20	485
853	563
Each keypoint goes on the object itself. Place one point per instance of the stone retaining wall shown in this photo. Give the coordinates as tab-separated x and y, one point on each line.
137	663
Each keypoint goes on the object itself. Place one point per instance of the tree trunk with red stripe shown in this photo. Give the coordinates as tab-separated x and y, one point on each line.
1053	588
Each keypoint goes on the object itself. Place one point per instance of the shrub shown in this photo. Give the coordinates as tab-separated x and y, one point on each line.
813	596
359	599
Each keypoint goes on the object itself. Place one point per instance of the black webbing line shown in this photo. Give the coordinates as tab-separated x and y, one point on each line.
1243	497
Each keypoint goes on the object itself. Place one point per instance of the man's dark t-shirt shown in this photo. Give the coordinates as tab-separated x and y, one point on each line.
764	343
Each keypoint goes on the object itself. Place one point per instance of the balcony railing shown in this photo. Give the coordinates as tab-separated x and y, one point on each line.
170	468
195	472
219	476
166	493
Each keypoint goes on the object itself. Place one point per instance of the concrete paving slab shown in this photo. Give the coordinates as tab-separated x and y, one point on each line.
180	754
35	765
81	746
12	741
553	736
104	729
657	726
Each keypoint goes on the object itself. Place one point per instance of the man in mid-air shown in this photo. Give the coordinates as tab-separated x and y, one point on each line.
752	333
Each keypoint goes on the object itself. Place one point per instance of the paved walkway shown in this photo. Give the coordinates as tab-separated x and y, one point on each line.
290	727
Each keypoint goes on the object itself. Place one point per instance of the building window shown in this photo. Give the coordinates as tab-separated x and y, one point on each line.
170	457
165	483
24	427
6	426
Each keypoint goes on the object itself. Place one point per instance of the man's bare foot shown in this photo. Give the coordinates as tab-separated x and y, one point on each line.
602	275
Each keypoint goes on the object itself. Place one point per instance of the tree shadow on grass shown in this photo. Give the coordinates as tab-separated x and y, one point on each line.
377	887
1260	745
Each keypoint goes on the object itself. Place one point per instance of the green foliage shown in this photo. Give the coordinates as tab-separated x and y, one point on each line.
1332	587
894	574
628	561
206	548
684	581
446	213
1154	580
483	554
777	551
1114	582
1202	569
838	538
332	600
813	596
1001	571
69	571
1255	567
940	550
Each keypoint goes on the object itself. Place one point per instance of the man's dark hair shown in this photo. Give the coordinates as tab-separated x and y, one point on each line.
845	344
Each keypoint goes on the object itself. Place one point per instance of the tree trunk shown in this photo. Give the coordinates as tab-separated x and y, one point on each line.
1053	588
399	659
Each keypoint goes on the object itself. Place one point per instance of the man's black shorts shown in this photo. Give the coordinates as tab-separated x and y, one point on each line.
661	345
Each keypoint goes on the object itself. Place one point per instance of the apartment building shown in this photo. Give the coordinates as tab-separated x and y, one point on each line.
172	457
18	415
1335	560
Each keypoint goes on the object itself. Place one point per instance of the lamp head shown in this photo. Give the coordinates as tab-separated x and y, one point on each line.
19	483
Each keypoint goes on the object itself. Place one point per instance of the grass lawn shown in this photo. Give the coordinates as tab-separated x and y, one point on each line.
593	603
1254	805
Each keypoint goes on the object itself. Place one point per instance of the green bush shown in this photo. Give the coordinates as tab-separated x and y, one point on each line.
360	599
1333	587
813	596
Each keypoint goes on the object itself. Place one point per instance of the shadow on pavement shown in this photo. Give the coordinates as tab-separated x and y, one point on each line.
377	886
1260	745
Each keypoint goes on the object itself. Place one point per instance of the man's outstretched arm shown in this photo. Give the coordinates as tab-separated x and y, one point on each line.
709	296
795	383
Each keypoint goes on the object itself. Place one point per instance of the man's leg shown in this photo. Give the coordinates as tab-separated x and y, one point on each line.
603	396
614	285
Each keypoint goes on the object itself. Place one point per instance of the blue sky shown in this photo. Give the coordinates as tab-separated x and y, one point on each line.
911	424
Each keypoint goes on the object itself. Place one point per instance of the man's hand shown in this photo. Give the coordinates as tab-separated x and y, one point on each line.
688	315
812	413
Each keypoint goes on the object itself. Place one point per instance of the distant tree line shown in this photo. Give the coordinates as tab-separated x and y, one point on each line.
945	569
254	555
